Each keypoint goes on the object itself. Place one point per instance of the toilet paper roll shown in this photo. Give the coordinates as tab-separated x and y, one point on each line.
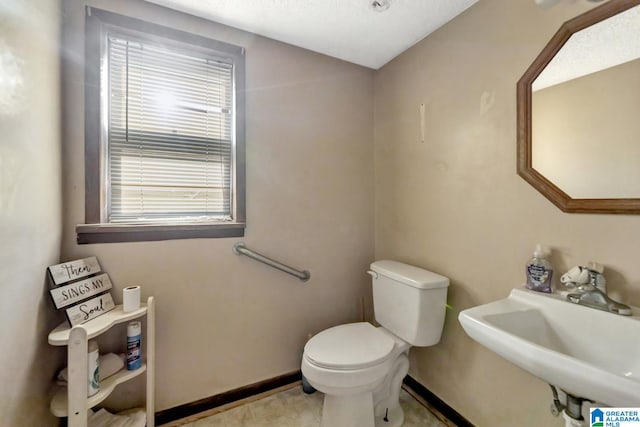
130	298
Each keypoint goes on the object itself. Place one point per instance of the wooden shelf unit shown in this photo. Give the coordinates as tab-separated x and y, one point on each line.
72	401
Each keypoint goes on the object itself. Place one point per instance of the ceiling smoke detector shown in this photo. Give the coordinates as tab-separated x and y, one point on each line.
380	5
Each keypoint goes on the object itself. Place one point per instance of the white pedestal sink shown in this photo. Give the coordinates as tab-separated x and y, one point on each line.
587	353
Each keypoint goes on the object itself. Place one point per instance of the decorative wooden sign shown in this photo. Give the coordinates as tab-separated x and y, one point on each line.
81	287
75	292
74	270
90	309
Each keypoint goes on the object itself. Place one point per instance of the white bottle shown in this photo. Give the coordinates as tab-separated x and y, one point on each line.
539	271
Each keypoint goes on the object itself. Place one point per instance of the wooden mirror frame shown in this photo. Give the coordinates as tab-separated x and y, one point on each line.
524	111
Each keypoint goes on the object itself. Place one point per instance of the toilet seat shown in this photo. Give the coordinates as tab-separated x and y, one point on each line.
352	346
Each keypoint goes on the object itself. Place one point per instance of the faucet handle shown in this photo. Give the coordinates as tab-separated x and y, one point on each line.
576	276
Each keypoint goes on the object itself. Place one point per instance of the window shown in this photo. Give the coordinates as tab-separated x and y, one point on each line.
164	133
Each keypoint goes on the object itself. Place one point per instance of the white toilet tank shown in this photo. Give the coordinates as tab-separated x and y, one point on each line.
409	301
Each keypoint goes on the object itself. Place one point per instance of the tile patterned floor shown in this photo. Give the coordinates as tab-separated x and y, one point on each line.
293	408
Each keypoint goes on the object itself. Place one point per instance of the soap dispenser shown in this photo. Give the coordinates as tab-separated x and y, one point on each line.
539	271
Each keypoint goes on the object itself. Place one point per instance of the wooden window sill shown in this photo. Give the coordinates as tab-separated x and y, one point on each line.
114	233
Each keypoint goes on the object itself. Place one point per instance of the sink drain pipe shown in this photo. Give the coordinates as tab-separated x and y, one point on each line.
571	412
572	422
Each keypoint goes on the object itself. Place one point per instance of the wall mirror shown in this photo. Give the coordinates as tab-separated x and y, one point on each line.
579	113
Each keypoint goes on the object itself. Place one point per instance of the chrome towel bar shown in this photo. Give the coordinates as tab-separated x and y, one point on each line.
241	249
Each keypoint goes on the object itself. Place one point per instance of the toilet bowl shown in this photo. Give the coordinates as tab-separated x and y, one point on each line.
351	365
360	367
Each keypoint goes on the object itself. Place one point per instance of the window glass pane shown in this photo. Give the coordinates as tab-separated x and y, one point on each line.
170	133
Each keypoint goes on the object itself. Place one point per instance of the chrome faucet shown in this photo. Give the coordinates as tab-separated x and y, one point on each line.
590	296
588	288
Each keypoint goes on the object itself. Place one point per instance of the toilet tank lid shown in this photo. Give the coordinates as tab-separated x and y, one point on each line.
410	275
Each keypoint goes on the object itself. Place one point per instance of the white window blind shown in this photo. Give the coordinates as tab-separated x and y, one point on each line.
170	133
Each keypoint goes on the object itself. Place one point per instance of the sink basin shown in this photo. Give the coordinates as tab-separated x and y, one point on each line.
587	353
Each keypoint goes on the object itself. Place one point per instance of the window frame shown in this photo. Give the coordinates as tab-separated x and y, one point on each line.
96	229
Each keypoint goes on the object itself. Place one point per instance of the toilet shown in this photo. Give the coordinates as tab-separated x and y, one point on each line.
360	367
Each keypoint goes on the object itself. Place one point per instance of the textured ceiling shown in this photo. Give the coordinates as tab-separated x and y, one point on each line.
350	30
607	44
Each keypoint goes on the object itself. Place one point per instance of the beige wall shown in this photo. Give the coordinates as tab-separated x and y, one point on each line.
226	321
454	204
585	133
30	207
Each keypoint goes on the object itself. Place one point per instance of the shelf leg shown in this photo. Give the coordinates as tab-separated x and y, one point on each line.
77	360
151	362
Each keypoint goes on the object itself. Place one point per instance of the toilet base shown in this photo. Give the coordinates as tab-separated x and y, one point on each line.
357	410
348	411
395	418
